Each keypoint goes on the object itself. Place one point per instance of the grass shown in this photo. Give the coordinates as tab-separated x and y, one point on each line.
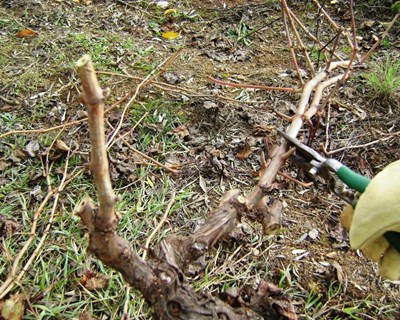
54	275
384	82
52	283
241	33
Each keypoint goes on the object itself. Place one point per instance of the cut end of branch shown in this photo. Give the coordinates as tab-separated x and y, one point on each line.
85	210
84	60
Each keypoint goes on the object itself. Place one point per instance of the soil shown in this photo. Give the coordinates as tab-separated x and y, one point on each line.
310	255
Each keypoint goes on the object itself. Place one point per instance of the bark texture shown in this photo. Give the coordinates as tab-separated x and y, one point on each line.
160	279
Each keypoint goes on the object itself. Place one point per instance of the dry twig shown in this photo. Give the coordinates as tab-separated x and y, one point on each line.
159	225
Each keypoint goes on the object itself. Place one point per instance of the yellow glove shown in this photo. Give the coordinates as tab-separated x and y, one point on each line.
377	211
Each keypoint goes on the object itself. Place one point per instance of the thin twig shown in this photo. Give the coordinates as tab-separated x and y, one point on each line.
311	36
384	35
253	86
300	42
358	146
159	225
159	164
13	278
8	283
111	143
354	46
125	315
333	23
303	184
153	161
47	171
38	131
172	88
290	43
332	51
152	75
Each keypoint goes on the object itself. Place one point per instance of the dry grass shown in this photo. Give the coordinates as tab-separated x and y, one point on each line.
40	89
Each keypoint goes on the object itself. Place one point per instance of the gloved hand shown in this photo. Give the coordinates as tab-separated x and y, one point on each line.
377	211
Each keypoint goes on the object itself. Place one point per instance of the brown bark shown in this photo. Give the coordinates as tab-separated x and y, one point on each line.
161	279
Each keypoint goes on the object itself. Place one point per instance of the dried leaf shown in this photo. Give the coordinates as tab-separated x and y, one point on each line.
37	193
181	131
3	165
313	234
170	35
278	299
32	147
12	308
162	4
367	24
202	183
339	234
17	155
93	281
86	316
85	2
244	152
61	145
8	227
339	271
26	33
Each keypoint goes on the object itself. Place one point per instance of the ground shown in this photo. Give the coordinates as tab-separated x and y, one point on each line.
212	134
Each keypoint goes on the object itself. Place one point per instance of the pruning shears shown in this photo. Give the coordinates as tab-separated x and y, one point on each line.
325	167
321	166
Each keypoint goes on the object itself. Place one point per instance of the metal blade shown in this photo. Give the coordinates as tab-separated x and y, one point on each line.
305	151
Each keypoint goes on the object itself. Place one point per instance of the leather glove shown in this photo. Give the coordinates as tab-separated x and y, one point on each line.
377	211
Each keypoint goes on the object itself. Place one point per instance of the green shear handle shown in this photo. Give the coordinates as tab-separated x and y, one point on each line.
352	179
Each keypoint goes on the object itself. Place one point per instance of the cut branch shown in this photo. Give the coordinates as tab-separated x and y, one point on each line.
160	279
93	97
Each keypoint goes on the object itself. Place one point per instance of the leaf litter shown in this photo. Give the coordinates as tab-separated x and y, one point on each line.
217	131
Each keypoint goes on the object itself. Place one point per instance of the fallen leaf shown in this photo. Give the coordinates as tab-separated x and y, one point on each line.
86	316
61	145
278	300
3	165
17	155
168	11
26	33
244	152
32	147
313	234
170	77
12	308
162	4
339	234
367	24
202	183
182	132
170	35
339	272
85	2
93	281
8	227
210	105
37	193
